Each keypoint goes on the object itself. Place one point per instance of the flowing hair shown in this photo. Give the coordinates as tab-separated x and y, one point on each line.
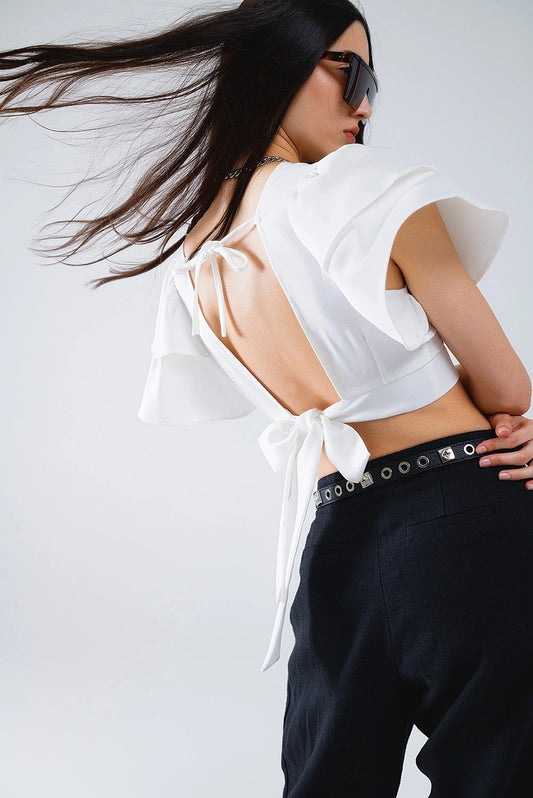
230	78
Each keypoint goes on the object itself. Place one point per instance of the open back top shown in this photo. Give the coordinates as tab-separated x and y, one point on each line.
328	230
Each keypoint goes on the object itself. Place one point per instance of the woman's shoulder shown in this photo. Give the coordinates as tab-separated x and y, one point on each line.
353	156
349	205
372	168
355	186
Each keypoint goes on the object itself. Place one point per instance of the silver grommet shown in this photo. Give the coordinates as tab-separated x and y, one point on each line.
422	461
404	467
446	454
327	494
469	449
338	490
386	472
350	486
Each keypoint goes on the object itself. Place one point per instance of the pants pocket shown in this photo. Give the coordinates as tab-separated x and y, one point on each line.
463	521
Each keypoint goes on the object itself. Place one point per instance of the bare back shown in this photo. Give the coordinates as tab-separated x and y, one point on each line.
265	335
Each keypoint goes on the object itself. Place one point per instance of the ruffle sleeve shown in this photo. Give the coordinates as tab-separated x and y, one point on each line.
185	384
347	209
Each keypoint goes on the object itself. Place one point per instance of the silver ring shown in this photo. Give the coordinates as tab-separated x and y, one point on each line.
468	448
338	490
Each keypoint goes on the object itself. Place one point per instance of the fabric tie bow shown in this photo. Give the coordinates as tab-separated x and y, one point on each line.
297	442
209	252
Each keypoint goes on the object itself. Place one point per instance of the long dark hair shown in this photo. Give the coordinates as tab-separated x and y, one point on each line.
233	72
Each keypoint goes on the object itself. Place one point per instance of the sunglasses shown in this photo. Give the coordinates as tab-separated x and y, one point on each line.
360	79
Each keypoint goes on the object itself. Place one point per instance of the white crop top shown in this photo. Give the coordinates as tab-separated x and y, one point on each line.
328	229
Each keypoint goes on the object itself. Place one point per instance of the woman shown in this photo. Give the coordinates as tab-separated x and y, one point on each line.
327	260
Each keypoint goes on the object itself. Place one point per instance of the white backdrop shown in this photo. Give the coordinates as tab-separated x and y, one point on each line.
136	611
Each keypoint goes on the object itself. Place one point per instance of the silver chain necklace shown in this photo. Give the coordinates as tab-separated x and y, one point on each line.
266	159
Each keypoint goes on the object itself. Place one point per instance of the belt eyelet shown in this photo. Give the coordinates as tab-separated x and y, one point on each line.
327	494
386	472
468	448
338	490
350	486
404	467
422	461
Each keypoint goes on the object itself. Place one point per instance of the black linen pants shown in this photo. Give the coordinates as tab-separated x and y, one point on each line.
415	606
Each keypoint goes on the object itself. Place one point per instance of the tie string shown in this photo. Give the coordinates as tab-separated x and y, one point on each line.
235	259
296	442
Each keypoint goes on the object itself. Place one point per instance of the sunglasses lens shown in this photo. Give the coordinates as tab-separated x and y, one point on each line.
360	82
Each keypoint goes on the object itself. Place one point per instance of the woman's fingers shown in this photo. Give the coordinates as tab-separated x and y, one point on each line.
517	474
521	432
514	432
503	423
520	458
511	442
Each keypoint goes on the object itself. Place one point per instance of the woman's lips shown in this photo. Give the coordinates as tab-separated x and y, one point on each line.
350	135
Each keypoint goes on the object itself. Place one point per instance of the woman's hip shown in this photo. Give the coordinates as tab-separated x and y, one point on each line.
422	489
446	550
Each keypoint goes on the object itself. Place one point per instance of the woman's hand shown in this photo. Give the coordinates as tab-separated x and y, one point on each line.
512	431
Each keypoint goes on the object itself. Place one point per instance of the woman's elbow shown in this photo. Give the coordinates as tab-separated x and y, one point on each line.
517	400
518	409
526	398
523	407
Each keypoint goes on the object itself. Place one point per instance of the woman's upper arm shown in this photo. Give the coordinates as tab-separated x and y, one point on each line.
454	305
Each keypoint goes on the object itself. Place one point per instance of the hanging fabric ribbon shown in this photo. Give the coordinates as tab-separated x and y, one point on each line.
297	443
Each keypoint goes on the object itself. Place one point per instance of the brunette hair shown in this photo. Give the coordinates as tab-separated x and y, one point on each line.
233	72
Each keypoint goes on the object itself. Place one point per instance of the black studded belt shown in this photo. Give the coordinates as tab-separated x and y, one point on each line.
399	467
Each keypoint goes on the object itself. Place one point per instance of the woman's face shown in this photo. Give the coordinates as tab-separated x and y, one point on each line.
318	115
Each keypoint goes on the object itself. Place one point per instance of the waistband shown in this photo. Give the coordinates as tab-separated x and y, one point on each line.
400	464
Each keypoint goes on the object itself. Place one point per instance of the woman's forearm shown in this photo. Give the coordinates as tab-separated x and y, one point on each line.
465	380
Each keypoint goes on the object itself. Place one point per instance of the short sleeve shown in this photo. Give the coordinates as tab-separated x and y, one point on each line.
347	209
185	385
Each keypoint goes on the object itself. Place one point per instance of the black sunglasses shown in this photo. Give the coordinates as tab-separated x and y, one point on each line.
360	79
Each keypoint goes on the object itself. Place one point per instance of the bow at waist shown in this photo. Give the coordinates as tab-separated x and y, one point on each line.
296	442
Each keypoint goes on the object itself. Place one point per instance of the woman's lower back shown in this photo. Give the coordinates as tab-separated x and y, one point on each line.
451	414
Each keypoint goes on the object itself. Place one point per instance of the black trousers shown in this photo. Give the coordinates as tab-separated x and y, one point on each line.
415	606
